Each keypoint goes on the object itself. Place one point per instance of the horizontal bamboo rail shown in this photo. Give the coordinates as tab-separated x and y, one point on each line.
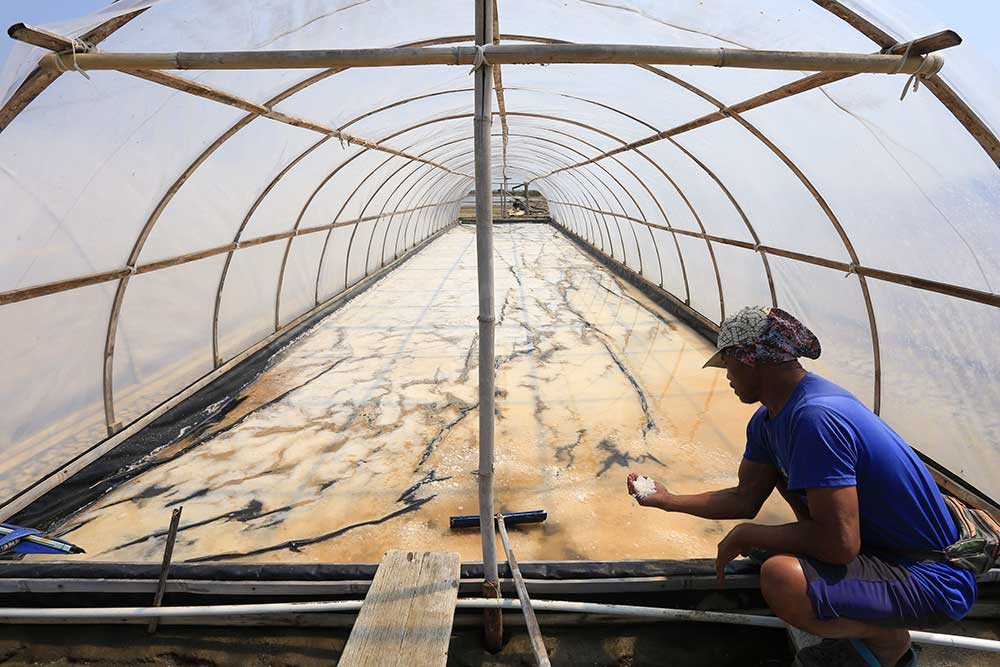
35	291
967	293
504	54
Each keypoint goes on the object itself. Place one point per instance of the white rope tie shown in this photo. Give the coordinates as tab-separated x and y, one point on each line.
929	66
74	44
902	61
480	59
852	269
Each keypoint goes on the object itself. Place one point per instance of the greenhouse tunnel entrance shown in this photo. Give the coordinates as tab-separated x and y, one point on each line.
361	435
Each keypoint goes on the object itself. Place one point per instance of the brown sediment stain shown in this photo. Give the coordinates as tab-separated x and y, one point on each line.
361	436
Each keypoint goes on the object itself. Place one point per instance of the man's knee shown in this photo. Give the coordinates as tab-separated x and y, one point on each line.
784	587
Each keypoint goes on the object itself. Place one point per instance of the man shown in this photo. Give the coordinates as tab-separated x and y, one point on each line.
849	568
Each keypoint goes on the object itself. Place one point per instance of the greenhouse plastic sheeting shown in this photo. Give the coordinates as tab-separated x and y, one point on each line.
255	222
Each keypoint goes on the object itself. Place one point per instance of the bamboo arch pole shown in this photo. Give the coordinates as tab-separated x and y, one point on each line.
694	213
588	193
612	177
216	356
403	228
255	111
659	262
649	191
246	219
350	243
399	223
791	89
298	221
703	167
403	197
354	230
599	216
866	296
907	280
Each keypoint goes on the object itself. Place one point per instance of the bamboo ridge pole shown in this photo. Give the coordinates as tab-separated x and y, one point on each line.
504	54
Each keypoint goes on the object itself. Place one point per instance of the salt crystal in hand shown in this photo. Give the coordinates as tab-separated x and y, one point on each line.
643	486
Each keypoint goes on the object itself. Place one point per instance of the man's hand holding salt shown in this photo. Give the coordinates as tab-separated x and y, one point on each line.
647	491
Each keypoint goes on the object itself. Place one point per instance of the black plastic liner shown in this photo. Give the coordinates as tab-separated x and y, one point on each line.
223	571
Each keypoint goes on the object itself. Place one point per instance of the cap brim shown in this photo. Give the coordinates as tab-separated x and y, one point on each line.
715	361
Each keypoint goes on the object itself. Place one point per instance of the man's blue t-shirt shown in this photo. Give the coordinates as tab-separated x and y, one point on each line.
825	437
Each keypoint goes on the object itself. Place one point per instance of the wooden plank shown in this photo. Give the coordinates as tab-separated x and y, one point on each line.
408	611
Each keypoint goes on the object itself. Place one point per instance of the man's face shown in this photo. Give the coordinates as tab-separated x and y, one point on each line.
744	379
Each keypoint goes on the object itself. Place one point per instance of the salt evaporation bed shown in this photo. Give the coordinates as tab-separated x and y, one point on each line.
373	444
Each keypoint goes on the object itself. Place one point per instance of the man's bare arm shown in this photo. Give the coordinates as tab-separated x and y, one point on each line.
832	533
756	482
794	501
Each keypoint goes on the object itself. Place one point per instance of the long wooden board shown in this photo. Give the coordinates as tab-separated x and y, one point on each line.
408	611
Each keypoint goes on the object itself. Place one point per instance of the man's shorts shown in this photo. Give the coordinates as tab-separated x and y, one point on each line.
872	590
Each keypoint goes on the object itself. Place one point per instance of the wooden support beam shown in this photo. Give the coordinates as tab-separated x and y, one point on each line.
506	54
207	92
38	80
168	554
534	632
952	101
52	41
919	47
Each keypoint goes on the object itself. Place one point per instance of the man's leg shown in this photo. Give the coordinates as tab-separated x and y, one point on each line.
784	586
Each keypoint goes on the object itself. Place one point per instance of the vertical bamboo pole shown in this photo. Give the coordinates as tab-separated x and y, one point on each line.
492	618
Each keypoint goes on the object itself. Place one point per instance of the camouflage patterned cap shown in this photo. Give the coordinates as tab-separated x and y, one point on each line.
763	335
